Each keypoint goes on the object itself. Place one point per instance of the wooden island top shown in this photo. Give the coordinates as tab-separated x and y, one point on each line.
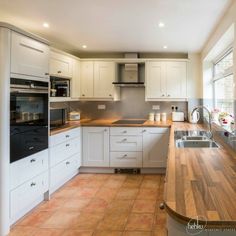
200	182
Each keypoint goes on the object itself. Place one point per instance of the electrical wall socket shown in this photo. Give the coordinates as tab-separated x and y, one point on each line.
101	107
156	107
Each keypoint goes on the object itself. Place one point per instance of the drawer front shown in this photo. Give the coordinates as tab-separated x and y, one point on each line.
62	172
64	136
23	198
126	143
126	131
125	159
27	168
156	130
63	151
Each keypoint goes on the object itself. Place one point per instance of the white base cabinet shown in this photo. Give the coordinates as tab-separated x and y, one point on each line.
155	147
96	146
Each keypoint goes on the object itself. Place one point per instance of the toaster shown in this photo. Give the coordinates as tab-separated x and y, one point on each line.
177	116
74	115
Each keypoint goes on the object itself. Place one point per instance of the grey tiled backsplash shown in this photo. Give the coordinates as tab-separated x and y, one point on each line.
131	105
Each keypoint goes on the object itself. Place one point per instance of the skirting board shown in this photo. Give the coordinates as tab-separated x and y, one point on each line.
104	170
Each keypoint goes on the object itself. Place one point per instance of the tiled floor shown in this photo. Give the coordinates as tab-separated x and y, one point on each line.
100	205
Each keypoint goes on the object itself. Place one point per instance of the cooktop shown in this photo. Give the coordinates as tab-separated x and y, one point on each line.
129	122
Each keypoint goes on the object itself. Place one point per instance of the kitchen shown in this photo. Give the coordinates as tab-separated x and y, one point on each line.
129	134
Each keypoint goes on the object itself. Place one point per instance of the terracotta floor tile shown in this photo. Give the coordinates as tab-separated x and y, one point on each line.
127	193
160	231
147	183
65	192
147	194
85	193
153	177
61	220
120	206
132	183
48	232
144	206
76	204
107	233
78	183
22	231
160	219
78	233
137	233
113	221
35	219
106	193
88	221
140	222
85	176
52	205
96	205
118	177
102	176
113	183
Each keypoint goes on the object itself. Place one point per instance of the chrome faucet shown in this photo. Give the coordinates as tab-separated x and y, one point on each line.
209	115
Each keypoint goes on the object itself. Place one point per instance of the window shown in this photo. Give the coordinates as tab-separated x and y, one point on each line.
223	82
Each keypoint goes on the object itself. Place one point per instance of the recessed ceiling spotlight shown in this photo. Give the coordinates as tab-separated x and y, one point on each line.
45	25
84	46
161	24
165	47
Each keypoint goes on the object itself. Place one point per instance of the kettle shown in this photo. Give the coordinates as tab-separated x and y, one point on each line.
194	118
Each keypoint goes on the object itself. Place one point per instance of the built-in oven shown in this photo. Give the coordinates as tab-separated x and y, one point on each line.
60	87
28	118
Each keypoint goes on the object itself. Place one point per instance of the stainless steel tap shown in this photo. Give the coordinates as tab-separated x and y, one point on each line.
209	115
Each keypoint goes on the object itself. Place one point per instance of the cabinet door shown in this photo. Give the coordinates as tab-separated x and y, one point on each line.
96	146
75	82
28	56
104	75
60	65
155	147
156	83
86	77
176	79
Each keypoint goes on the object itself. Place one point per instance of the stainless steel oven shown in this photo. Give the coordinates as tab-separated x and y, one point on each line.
60	87
28	118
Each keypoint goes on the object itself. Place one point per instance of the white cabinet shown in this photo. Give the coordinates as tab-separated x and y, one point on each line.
96	80
75	82
29	57
104	75
96	146
166	80
155	147
86	79
126	159
60	65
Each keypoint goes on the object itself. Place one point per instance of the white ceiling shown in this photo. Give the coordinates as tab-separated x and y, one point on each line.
118	25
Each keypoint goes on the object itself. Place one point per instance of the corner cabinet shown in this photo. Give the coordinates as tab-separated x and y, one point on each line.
95	147
155	147
96	80
166	80
29	57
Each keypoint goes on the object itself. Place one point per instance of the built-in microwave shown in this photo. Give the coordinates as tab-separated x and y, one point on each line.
60	87
58	117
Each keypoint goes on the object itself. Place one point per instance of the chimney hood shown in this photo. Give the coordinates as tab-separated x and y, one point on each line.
129	72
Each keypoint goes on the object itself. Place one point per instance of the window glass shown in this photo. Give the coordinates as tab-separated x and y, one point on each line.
225	63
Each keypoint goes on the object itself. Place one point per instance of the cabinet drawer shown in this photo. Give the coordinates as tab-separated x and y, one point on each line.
126	143
64	136
125	159
25	197
125	131
64	150
156	130
27	168
63	172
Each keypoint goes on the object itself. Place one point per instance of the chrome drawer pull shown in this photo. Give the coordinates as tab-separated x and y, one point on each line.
32	184
67	145
124	131
67	163
124	140
32	160
67	136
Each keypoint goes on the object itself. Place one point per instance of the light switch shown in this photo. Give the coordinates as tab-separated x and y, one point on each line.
101	107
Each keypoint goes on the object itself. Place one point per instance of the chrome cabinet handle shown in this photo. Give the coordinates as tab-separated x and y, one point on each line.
144	130
59	72
162	206
110	95
32	184
67	145
32	160
163	95
168	95
67	136
124	140
124	131
67	163
31	148
83	95
46	73
105	130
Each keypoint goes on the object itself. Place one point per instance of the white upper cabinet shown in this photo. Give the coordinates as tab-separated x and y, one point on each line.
60	65
75	83
104	75
166	80
29	57
86	79
176	79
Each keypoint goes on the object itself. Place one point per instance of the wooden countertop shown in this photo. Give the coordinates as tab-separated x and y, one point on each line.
107	122
200	182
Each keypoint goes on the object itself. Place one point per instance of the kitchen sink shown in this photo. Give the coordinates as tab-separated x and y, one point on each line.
196	144
195	138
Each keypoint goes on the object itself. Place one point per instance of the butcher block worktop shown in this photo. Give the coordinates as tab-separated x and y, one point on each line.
107	122
200	182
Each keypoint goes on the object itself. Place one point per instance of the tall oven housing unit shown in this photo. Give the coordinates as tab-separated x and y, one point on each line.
24	81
